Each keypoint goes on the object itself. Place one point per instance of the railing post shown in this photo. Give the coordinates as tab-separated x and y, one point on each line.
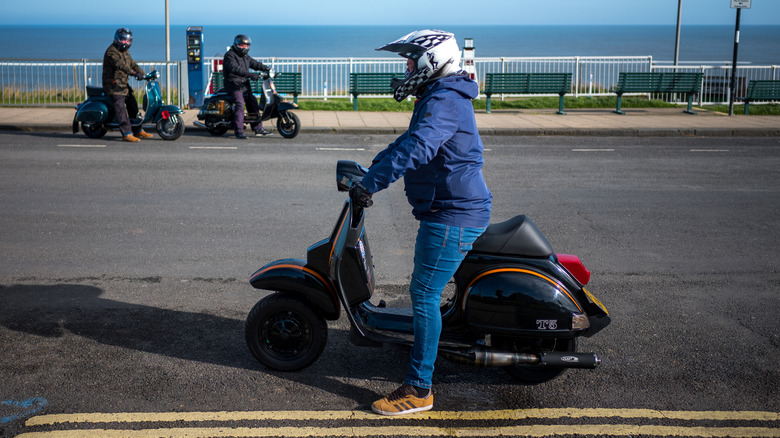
86	77
577	75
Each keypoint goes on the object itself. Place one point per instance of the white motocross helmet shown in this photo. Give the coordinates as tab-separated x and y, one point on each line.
435	53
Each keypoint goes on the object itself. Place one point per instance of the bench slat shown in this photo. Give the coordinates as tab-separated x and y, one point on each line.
370	83
527	83
667	82
761	90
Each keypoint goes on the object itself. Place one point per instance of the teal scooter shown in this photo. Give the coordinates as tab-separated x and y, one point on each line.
96	114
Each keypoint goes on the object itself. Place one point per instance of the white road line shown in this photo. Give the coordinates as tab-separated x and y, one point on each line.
340	149
81	145
593	150
215	147
709	150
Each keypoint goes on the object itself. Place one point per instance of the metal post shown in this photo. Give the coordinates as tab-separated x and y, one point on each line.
167	53
677	35
733	92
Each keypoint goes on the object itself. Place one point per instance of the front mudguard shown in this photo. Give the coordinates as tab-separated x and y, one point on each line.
171	109
286	106
293	276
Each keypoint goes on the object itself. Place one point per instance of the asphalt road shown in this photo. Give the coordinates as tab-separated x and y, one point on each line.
124	268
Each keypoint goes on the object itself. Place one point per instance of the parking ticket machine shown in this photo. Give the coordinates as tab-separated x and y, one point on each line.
195	65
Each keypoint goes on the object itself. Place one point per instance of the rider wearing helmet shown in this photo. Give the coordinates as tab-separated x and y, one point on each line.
118	65
440	159
236	67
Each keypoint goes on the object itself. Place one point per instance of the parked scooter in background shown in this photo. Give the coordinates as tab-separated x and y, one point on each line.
218	110
517	304
96	114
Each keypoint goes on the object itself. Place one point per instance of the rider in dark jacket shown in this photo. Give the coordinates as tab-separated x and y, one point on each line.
118	66
236	67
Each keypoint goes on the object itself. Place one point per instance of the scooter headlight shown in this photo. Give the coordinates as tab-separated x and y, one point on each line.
579	321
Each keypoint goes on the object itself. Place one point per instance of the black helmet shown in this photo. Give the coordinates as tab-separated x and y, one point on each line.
241	40
123	38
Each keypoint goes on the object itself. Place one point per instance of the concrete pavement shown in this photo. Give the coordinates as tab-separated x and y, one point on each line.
596	122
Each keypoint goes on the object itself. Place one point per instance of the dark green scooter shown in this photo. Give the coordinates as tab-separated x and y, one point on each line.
96	114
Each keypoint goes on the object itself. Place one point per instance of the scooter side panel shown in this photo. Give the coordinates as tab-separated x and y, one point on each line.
92	111
293	276
517	301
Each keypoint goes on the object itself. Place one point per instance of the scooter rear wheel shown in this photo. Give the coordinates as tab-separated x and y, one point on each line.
284	333
534	374
93	130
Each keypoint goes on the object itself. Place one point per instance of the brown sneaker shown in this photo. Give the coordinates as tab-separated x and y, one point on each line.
130	138
403	400
144	134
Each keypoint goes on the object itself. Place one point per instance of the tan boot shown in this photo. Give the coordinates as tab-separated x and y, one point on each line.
130	138
144	134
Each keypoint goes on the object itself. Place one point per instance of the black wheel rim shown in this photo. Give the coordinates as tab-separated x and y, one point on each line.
285	335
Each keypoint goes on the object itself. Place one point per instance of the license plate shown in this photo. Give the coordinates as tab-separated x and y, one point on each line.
595	300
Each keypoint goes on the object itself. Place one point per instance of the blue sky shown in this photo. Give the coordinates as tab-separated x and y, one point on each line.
388	12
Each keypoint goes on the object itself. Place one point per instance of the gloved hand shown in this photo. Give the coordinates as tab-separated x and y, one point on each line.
140	76
360	196
254	76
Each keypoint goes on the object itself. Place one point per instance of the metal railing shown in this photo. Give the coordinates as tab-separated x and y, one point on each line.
62	83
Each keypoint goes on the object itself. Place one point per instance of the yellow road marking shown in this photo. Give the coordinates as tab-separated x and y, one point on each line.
533	431
515	414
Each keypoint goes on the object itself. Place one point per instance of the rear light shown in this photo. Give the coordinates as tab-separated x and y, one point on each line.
575	267
166	115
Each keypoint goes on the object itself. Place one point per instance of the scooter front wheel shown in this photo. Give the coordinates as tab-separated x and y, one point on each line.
288	124
171	128
284	333
534	374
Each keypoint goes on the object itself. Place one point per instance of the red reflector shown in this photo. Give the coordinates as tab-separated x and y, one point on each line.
166	115
575	267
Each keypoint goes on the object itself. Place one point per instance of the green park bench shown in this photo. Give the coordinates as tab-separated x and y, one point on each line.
527	83
287	83
370	83
761	90
667	82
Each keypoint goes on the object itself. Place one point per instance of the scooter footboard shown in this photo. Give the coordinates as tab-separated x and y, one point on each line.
293	276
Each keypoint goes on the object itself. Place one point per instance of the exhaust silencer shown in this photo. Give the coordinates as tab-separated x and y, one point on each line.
482	357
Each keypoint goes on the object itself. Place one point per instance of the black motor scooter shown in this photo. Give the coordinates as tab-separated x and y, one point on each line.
216	114
517	304
97	116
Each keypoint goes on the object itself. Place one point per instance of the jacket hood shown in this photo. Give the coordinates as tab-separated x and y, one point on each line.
460	84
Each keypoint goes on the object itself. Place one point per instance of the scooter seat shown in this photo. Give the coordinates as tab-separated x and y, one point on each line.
94	91
517	236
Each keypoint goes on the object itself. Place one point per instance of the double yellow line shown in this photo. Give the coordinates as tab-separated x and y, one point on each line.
84	425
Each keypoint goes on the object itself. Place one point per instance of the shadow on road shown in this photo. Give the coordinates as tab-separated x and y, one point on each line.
56	310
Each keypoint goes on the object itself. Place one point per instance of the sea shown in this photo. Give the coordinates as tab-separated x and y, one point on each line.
758	45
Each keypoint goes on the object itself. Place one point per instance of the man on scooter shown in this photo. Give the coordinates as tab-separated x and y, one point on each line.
118	65
440	159
236	67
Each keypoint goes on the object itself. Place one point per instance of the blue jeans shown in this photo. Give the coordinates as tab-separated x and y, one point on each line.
438	252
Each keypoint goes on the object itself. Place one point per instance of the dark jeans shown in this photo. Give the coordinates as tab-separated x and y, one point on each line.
252	107
125	108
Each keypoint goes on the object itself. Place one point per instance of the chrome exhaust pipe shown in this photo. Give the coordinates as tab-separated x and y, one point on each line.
482	357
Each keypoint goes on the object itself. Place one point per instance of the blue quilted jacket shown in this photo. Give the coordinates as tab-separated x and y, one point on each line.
439	157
